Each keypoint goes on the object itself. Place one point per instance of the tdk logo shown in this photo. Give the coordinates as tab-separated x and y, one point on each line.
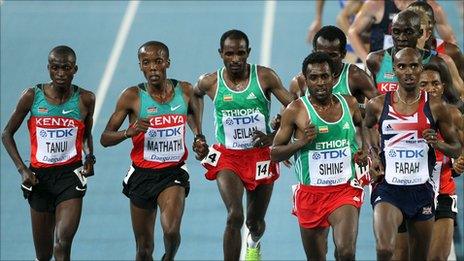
53	134
164	132
333	154
408	154
242	120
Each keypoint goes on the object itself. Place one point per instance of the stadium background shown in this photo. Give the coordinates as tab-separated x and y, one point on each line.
95	30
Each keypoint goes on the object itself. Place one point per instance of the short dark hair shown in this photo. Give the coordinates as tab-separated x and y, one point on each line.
234	34
409	15
317	57
62	50
450	94
154	43
331	33
416	52
425	7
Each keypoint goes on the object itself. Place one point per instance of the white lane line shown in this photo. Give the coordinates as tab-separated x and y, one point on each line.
118	46
267	33
264	60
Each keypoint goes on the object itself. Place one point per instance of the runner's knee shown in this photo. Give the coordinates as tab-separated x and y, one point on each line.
62	245
172	234
235	219
439	255
256	226
384	251
345	252
144	249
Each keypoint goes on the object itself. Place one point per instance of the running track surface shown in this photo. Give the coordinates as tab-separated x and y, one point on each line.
192	31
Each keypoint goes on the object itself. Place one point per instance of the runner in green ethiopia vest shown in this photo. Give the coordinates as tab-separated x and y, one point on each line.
240	160
318	129
238	114
328	159
349	79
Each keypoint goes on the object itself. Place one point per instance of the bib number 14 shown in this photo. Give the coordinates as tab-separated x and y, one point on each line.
262	169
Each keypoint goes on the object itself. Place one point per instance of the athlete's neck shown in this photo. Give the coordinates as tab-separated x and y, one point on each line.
323	104
238	80
59	92
160	92
338	70
408	96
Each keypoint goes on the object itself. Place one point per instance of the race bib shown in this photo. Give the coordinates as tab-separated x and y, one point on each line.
81	177
454	205
129	174
406	165
330	167
362	174
263	170
212	158
56	145
238	130
164	144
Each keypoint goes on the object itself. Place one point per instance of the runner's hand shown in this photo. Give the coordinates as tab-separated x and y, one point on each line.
140	125
262	140
458	165
360	158
309	133
28	178
88	165
376	170
275	122
200	147
430	136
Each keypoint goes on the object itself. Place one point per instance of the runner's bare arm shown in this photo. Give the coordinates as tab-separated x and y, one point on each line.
357	121
373	61
456	79
317	22
128	100
361	23
281	148
295	86
205	86
200	147
88	100
373	111
362	86
453	51
350	9
441	23
271	82
19	114
450	146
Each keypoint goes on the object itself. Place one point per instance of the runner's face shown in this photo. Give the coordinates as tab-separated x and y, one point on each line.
319	81
235	54
153	62
61	68
430	82
405	34
332	48
408	67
